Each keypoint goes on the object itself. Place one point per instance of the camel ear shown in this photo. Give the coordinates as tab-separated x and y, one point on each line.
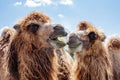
33	27
82	26
5	34
103	37
17	28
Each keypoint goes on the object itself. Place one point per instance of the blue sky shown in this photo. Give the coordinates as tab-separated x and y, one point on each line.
104	14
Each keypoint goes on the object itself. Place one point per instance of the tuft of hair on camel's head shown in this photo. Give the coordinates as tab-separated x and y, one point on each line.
114	44
87	36
34	17
92	61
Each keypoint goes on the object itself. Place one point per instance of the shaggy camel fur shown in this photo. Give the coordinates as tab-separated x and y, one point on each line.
113	47
63	58
92	61
5	41
32	55
65	64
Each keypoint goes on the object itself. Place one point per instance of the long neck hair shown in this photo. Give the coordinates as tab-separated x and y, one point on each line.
29	60
93	64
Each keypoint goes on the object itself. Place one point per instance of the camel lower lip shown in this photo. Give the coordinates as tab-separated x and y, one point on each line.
74	45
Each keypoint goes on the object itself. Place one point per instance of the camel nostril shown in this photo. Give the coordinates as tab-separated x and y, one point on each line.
65	34
67	43
58	27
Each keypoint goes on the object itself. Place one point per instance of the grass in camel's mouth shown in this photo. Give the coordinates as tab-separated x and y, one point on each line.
59	41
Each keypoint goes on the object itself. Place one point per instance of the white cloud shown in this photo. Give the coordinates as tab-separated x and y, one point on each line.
17	3
31	3
60	15
45	2
37	3
66	2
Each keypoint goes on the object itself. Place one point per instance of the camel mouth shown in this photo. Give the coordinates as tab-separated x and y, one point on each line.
56	37
74	42
74	46
58	40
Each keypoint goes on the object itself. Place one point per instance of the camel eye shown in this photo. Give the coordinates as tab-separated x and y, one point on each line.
33	27
92	36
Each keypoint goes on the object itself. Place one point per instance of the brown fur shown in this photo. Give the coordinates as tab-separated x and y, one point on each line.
31	57
33	17
114	50
65	64
87	26
93	61
5	41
